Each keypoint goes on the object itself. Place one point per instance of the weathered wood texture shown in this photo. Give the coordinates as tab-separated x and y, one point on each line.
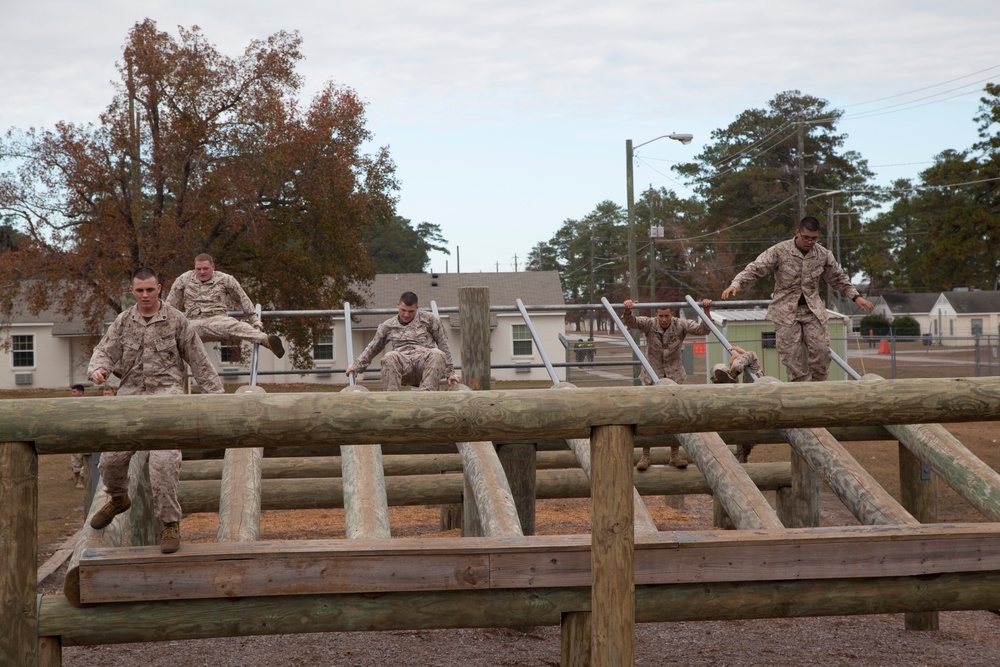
18	552
118	533
518	464
918	491
644	523
575	639
474	309
239	496
324	493
311	567
213	421
612	538
496	512
798	504
366	510
197	619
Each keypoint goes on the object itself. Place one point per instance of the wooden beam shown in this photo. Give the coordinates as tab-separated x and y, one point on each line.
207	422
612	551
314	567
200	619
366	509
18	553
325	493
239	498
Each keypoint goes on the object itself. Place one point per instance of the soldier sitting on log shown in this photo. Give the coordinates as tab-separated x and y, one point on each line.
420	356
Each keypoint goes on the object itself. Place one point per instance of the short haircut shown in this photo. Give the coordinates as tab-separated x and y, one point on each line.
408	298
78	387
145	273
204	257
810	223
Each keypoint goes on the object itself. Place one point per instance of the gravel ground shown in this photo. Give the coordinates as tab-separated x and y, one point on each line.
965	638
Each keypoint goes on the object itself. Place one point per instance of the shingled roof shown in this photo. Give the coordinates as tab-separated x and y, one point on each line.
910	303
532	287
971	303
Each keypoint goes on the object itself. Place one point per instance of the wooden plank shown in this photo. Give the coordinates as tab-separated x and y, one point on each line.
203	495
613	542
342	566
18	553
918	492
575	639
410	417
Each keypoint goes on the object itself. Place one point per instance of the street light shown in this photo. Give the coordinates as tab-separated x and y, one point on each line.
633	265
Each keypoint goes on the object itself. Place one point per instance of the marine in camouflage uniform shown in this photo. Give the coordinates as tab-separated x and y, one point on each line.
203	295
800	321
150	343
420	356
664	337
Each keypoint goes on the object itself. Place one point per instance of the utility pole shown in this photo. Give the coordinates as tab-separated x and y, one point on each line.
800	159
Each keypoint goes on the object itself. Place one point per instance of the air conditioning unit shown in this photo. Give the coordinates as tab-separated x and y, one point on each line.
24	378
323	371
522	368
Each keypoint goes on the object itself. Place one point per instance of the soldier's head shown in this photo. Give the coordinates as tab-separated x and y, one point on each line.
204	267
807	234
664	316
407	307
76	390
146	290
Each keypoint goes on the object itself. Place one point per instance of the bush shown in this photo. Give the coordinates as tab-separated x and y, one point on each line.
877	324
906	326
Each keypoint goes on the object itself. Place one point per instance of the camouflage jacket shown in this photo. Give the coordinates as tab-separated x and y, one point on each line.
198	299
150	355
423	331
663	346
795	275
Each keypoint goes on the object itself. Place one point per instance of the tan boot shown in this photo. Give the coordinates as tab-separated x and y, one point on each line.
643	460
675	458
78	480
274	344
170	538
112	508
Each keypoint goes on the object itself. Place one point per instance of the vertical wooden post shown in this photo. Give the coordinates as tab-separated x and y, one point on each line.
575	639
612	547
18	553
918	493
798	505
474	309
472	525
519	463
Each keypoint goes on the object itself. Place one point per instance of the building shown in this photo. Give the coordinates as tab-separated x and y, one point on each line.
751	330
964	314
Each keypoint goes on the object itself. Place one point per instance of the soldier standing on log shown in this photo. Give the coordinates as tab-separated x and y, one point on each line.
420	356
203	294
801	334
664	337
150	342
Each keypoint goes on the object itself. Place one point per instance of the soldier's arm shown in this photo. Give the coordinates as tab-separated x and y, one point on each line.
440	336
238	294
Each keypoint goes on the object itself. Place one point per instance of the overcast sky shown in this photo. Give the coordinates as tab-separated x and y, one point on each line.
507	118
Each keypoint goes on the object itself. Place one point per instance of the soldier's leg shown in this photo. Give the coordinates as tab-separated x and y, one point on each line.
114	472
432	365
788	341
164	477
643	462
394	367
816	337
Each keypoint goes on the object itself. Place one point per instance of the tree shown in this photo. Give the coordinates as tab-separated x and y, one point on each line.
766	169
199	152
396	246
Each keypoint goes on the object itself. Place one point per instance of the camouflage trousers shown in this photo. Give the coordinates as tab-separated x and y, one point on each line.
421	368
76	463
164	477
804	347
223	327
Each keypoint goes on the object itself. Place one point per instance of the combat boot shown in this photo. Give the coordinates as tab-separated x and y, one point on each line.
114	506
274	344
675	458
78	480
643	460
170	538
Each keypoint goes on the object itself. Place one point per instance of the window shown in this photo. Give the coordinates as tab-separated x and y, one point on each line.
977	327
23	351
231	351
522	340
323	346
767	340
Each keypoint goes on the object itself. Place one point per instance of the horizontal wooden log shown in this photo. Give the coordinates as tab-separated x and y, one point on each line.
325	493
211	421
318	567
201	619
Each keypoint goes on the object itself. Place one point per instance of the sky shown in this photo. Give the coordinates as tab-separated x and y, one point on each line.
506	118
